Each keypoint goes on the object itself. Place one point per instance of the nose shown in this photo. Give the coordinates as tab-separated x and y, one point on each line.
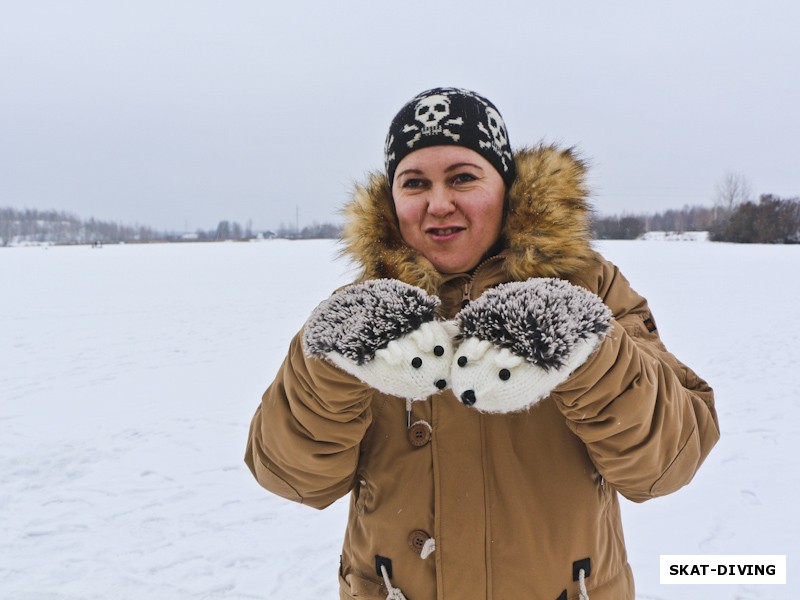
468	397
441	202
441	384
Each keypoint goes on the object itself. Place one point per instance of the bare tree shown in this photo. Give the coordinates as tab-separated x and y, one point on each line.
223	231
732	190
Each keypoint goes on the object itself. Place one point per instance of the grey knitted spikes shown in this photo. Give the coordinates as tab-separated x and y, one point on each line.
360	319
539	320
520	340
384	332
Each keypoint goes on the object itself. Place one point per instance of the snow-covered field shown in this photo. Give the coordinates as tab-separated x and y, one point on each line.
128	376
675	236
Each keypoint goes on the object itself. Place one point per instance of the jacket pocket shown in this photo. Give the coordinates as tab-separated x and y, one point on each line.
353	587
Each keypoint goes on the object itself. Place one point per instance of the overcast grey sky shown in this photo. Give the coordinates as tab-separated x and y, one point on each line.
183	113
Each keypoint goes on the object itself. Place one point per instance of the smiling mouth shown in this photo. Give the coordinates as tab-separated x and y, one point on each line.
444	231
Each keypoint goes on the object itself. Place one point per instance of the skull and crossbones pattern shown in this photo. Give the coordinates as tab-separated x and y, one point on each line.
387	149
497	138
431	115
444	116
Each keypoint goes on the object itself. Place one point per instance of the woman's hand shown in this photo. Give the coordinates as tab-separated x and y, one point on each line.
385	333
522	339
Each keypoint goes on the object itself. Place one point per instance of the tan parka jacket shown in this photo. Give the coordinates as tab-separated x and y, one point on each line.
517	503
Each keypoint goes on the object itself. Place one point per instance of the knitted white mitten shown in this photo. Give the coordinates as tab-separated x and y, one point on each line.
385	333
522	339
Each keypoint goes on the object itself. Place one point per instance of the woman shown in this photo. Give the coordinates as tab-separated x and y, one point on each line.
454	503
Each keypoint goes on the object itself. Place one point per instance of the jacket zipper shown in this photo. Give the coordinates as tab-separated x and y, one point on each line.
466	290
465	299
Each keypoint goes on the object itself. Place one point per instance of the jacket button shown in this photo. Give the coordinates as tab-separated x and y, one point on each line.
417	539
419	434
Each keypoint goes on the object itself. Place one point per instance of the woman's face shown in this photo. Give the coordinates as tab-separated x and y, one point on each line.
449	202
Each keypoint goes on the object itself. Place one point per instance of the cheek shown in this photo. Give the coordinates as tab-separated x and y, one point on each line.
407	231
489	215
408	213
404	213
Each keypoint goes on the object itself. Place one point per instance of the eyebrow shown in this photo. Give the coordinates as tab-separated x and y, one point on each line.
453	167
408	172
462	164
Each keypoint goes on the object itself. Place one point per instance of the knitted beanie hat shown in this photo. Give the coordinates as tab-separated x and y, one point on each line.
450	116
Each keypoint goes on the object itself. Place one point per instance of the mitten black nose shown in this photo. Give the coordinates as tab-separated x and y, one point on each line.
468	397
441	384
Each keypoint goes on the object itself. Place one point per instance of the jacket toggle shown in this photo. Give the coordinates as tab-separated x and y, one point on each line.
581	569
383	566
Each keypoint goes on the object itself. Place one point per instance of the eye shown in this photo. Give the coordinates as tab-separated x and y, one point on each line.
438	350
462	360
416	362
413	183
464	178
504	374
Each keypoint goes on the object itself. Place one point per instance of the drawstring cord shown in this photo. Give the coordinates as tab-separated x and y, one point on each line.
394	593
428	548
582	582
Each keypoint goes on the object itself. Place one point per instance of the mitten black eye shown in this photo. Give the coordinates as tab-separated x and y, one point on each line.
462	360
504	374
438	350
416	362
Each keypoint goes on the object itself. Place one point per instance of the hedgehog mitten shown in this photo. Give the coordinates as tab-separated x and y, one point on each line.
522	339
385	333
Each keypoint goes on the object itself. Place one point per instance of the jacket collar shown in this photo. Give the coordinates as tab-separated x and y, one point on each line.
545	234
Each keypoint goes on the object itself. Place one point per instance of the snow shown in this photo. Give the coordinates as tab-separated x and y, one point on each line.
128	376
675	236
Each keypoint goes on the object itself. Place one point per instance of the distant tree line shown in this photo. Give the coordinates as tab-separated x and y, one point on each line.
771	221
630	227
31	226
54	227
231	230
311	232
735	217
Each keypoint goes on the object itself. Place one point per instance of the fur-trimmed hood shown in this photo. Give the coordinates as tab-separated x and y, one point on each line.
546	231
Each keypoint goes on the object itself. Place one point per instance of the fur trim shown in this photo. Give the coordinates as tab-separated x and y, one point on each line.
546	233
547	229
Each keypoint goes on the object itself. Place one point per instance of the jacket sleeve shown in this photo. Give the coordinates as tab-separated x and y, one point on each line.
305	436
647	420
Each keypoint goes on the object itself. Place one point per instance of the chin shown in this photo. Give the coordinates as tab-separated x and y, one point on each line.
449	267
454	261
